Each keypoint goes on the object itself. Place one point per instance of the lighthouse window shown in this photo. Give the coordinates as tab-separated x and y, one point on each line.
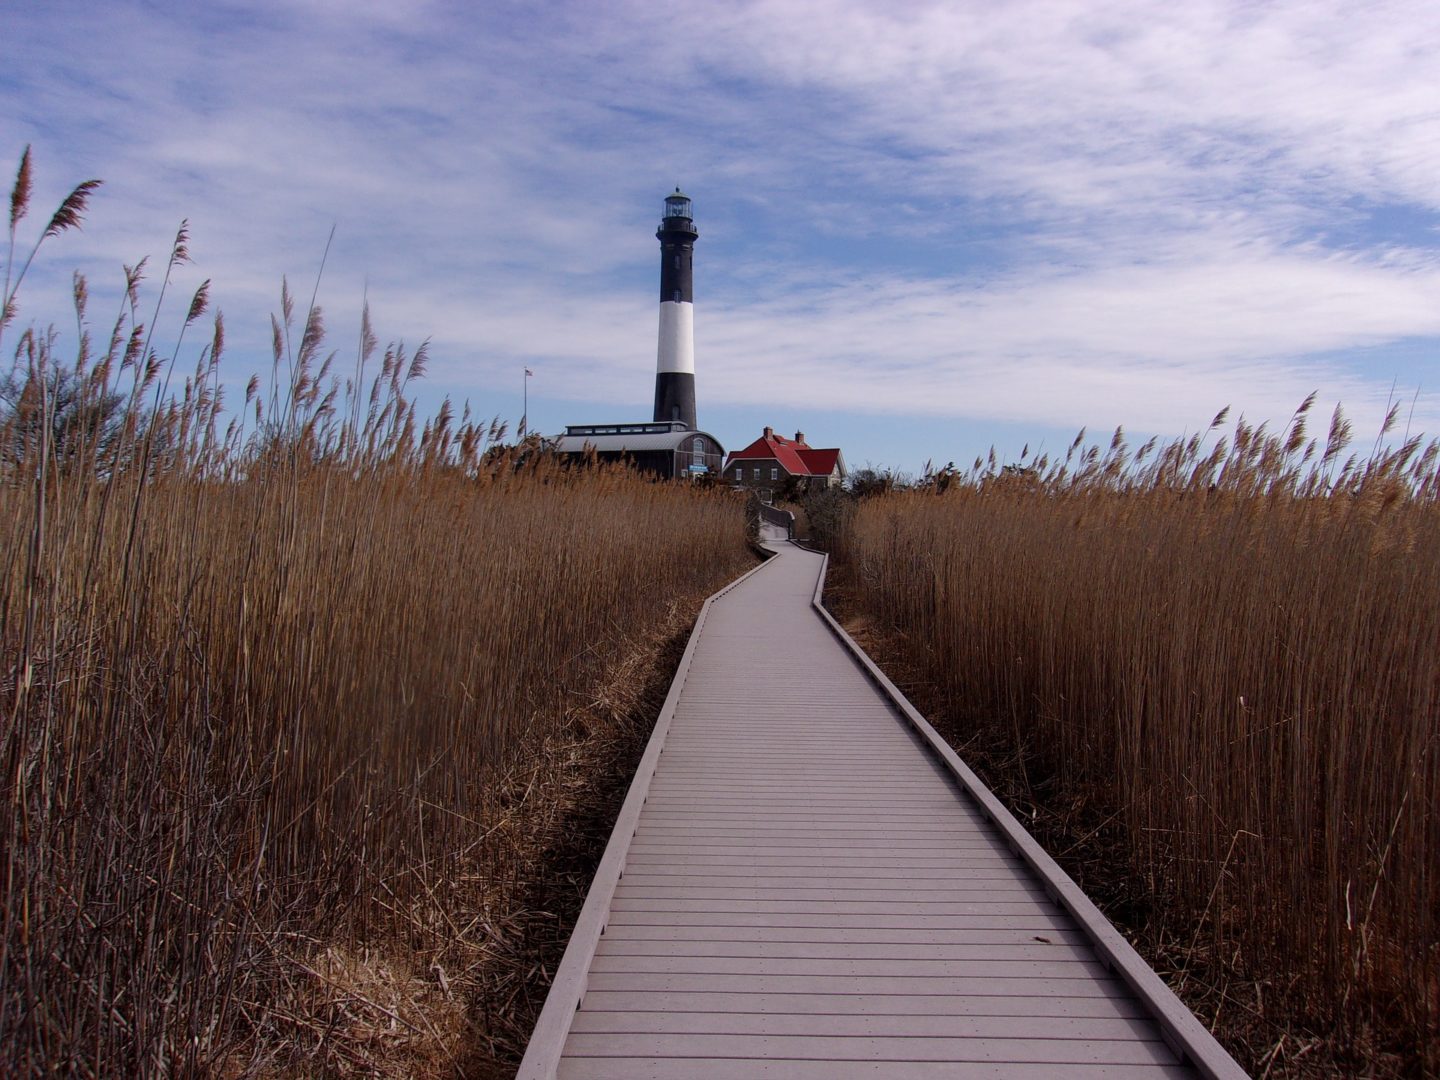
677	262
675	296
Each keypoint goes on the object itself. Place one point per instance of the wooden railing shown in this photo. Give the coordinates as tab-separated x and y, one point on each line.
782	518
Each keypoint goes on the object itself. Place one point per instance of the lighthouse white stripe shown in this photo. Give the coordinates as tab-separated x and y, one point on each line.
677	337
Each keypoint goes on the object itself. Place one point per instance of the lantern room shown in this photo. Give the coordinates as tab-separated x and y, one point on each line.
678	205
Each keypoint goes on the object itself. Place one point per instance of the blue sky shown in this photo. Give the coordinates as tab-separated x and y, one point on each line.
926	228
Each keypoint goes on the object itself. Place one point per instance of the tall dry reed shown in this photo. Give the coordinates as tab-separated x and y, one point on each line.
1238	648
264	672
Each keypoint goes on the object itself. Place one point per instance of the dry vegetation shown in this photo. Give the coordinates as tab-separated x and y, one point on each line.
1233	652
295	699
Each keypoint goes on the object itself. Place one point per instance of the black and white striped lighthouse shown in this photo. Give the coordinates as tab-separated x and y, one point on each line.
675	363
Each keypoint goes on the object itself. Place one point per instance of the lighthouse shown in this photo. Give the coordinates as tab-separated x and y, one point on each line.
670	445
675	361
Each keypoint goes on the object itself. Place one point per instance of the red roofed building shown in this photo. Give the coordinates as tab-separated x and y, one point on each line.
772	460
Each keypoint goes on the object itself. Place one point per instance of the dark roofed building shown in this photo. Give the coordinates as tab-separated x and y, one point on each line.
664	448
772	460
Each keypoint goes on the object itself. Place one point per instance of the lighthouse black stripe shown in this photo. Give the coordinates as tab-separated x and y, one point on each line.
676	274
675	397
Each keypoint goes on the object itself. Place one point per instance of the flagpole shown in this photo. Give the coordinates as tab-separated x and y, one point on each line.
525	398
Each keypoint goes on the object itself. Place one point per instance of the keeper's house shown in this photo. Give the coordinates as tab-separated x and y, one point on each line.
771	460
664	448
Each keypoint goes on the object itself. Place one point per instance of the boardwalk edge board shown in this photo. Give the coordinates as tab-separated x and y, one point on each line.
567	989
1185	1035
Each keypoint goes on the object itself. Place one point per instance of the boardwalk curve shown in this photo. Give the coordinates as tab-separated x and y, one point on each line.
805	882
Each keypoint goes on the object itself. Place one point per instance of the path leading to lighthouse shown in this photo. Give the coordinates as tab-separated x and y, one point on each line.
803	883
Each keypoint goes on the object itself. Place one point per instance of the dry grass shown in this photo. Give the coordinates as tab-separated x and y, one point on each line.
287	698
1236	652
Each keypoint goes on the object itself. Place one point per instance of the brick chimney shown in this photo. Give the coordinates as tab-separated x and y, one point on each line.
799	436
769	433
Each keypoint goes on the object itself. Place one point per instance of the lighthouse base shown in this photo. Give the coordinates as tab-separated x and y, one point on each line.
675	397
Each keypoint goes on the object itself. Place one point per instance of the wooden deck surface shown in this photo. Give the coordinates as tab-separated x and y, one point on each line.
807	893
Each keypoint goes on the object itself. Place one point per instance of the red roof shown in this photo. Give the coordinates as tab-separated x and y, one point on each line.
798	458
820	462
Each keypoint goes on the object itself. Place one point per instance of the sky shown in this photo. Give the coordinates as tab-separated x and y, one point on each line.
926	228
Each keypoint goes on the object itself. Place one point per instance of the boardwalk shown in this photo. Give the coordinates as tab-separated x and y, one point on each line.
809	891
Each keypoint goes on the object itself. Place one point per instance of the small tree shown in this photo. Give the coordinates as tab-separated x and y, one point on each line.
870	481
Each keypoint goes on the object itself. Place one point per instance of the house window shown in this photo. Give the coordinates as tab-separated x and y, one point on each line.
757	472
697	452
739	472
774	473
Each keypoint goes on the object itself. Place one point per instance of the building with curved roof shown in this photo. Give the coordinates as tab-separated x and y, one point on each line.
664	448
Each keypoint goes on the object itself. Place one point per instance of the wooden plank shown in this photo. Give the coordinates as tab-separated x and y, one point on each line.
904	936
843	985
656	848
658	828
588	1068
771	763
845	949
869	855
819	971
1032	918
875	869
815	845
873	860
899	818
874	782
739	905
1089	1028
703	812
871	818
633	1068
817	801
836	791
849	1048
907	1005
782	750
833	795
766	762
948	855
793	817
799	799
778	841
813	877
976	891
